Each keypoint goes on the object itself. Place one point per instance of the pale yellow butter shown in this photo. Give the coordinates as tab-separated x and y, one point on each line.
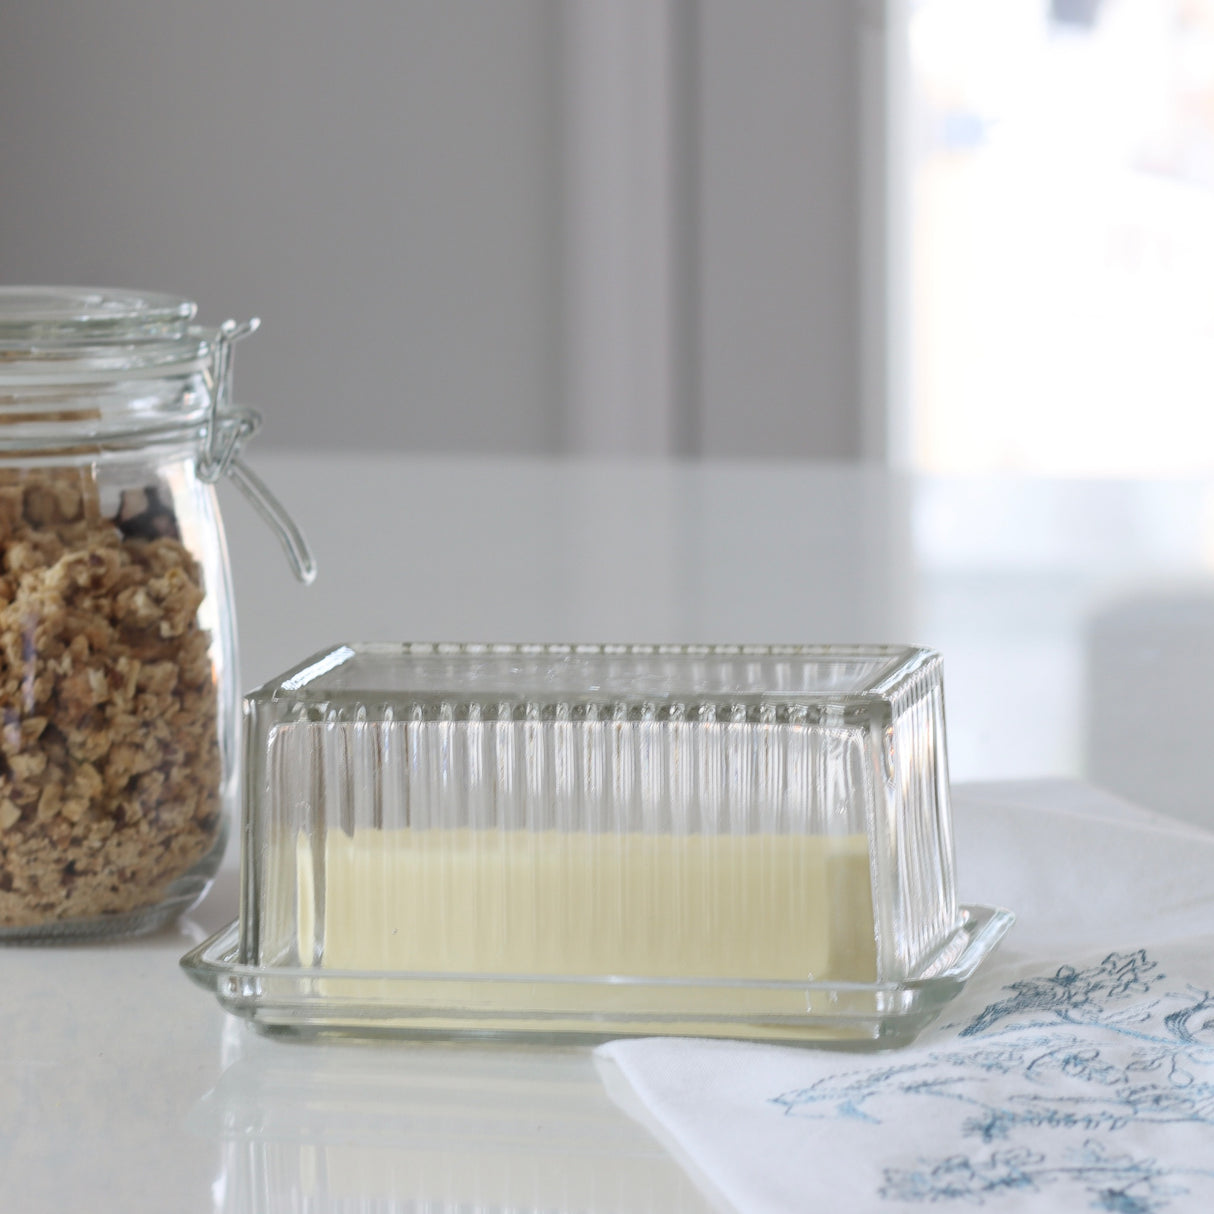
757	907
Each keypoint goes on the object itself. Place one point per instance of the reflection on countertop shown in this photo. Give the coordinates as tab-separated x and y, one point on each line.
328	1127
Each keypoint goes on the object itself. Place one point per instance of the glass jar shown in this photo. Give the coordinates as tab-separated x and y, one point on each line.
118	677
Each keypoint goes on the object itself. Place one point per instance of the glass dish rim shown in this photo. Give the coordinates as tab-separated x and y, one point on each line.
212	966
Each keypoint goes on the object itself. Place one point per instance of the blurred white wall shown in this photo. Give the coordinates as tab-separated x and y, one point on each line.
518	225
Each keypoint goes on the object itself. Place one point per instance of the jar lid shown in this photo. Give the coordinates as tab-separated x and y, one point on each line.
70	333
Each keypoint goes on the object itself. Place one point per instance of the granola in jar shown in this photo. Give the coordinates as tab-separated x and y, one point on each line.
110	764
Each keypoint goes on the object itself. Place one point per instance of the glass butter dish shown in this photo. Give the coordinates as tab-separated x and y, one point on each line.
557	840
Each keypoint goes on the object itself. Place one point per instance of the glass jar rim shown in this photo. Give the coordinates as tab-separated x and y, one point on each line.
65	333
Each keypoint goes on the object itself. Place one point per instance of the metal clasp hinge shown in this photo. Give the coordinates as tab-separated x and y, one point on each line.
227	429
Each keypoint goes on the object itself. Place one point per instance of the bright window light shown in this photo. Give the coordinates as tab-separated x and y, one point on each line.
1062	247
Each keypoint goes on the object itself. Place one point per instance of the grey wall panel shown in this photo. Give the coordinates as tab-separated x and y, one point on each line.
780	228
388	184
378	180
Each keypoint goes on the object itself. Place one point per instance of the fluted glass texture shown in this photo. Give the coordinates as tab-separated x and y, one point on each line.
699	813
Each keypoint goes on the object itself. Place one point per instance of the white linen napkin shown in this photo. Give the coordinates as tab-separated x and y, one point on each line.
1075	1072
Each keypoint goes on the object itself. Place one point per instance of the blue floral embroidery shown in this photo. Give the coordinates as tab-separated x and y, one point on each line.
1151	1061
1072	994
1117	1183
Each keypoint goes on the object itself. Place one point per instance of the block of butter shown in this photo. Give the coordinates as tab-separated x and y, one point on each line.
593	840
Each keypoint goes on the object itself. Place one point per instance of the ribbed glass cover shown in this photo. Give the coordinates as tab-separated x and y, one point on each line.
766	814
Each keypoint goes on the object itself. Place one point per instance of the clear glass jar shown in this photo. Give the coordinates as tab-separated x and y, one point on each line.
118	666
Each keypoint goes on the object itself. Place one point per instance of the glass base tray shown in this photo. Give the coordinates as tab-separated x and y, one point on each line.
304	1001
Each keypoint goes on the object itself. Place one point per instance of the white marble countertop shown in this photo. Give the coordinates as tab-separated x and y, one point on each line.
1077	626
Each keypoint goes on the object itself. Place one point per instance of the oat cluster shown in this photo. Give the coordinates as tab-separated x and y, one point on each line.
110	766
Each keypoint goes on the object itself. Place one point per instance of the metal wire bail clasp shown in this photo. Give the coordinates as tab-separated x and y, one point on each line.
227	429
